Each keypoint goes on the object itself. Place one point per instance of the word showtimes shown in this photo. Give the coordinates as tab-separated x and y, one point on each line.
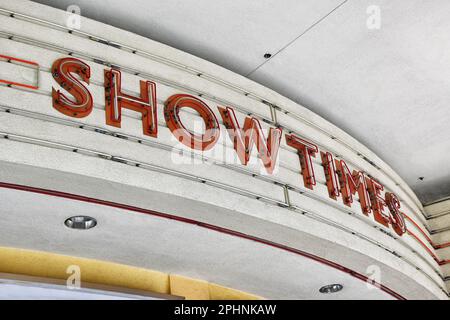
341	181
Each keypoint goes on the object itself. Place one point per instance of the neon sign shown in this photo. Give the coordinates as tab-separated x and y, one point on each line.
340	181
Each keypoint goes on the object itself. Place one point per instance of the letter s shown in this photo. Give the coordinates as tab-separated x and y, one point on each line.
396	217
62	70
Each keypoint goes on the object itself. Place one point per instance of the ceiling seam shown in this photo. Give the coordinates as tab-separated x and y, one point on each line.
298	37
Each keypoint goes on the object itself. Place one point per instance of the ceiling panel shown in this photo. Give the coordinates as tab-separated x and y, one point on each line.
233	34
389	88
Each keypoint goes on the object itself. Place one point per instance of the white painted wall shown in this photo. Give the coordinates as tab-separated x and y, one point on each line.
39	151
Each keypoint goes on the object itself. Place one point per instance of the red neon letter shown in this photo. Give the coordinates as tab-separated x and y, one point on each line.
305	151
244	139
330	174
62	72
396	218
115	100
350	183
171	113
378	203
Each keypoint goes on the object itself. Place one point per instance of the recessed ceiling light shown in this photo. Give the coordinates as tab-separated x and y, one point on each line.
267	55
80	222
331	288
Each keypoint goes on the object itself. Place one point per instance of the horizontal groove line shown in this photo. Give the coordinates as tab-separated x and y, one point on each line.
305	191
287	167
439	215
440	230
156	168
169	171
131	71
135	139
55	120
206	76
319	217
131	162
290	130
198	223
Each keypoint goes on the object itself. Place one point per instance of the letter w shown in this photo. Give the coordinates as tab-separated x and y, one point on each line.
252	133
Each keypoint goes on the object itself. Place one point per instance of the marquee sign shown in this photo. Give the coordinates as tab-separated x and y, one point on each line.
340	180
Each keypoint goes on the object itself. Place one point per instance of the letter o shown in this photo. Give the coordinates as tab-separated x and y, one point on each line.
172	109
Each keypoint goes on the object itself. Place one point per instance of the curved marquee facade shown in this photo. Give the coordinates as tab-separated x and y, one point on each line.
192	170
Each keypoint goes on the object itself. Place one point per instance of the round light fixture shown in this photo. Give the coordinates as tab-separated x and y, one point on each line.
331	288
80	222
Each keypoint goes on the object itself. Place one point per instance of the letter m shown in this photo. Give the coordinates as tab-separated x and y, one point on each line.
350	183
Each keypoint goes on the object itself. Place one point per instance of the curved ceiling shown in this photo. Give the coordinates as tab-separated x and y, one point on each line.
387	87
124	236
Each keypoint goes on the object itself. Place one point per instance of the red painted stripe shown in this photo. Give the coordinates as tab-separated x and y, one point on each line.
19	84
440	246
418	227
19	60
443	262
425	246
24	85
203	225
435	246
435	257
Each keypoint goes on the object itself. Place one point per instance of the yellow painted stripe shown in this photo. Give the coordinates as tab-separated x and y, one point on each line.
217	292
50	265
191	289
